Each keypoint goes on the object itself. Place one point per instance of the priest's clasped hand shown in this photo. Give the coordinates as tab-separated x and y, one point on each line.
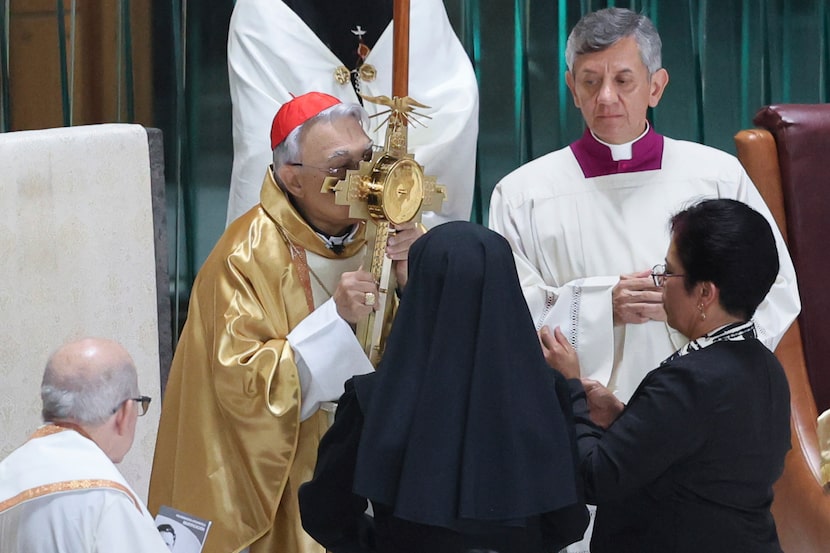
637	300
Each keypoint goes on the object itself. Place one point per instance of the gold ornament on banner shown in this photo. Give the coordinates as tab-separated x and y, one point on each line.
366	73
342	74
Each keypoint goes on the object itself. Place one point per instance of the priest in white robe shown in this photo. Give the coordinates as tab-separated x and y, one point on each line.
61	491
278	49
588	222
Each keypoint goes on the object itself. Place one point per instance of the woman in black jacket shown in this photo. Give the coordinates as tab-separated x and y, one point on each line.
688	465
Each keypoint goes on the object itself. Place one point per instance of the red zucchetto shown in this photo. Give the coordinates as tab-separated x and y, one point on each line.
297	111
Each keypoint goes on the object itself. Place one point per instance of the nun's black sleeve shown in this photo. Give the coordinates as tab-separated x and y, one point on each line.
330	512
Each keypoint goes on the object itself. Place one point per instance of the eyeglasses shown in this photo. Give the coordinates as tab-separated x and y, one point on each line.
659	274
339	172
143	400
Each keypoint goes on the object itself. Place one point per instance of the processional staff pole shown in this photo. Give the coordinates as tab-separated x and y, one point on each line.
400	48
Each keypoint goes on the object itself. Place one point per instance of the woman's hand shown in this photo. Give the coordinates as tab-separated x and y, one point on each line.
603	405
558	352
397	248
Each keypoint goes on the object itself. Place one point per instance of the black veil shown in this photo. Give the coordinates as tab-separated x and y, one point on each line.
464	420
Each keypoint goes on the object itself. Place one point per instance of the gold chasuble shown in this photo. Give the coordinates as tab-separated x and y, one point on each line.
231	447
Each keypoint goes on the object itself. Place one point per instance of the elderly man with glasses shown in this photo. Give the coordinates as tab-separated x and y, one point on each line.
61	491
269	339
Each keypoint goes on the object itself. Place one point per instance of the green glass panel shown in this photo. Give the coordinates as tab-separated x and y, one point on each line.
65	98
746	63
181	269
5	104
696	22
786	46
562	64
766	65
824	72
126	49
519	81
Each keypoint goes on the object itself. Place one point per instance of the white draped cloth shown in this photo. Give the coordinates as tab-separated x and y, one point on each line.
273	54
573	236
59	492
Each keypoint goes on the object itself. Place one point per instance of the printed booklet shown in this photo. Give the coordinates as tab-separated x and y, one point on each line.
182	532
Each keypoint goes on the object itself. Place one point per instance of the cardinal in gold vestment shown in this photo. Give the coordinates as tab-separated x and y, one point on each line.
240	422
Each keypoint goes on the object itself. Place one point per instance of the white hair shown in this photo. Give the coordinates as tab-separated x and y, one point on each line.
288	151
83	398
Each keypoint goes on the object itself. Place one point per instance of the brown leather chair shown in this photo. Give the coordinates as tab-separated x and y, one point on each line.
789	161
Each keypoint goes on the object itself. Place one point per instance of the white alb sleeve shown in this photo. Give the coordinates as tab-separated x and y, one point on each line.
327	354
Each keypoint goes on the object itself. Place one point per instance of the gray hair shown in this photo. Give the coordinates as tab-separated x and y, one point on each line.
86	399
601	29
288	151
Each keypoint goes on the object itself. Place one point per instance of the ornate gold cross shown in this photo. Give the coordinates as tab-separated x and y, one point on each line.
391	188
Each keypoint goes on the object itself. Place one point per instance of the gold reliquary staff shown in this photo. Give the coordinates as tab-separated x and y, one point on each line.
389	189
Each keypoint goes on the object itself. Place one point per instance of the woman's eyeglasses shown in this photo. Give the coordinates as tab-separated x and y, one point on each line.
659	275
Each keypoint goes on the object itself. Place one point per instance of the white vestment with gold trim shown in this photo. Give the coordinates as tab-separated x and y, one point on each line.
59	492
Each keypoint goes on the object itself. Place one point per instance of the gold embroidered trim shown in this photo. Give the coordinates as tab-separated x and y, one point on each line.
303	269
66	486
47	430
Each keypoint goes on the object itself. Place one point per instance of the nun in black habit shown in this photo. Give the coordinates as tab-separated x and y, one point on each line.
463	439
